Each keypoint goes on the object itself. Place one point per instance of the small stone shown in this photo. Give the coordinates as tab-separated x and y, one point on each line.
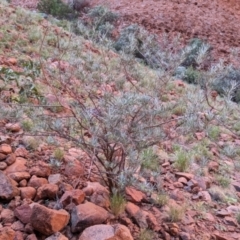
204	195
23	213
18	166
37	182
182	180
13	127
17	226
27	192
188	176
7	216
21	152
3	156
23	183
178	185
5	148
213	166
231	221
134	195
8	190
223	213
6	233
11	158
57	236
41	170
48	191
19	176
55	179
75	196
87	214
3	165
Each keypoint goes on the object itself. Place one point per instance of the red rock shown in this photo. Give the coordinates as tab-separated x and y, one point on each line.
75	196
3	165
23	213
5	148
17	226
37	182
22	183
6	233
57	236
27	192
7	216
231	221
87	214
48	221
101	199
74	168
41	170
205	196
152	222
19	176
31	237
3	156
13	127
55	179
134	195
21	152
209	217
213	166
48	191
18	166
94	187
137	214
19	236
188	176
182	180
178	185
8	190
11	158
223	213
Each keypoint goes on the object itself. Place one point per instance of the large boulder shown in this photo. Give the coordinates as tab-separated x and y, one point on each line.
8	190
48	221
87	214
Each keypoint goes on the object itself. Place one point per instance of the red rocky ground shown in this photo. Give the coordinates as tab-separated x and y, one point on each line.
216	21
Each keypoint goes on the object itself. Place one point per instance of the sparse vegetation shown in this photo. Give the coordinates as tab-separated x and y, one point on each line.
117	203
182	160
176	213
146	234
58	154
162	199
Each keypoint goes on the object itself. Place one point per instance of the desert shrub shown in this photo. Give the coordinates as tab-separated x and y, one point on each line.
56	8
149	159
182	160
227	83
99	24
138	42
146	234
195	53
191	75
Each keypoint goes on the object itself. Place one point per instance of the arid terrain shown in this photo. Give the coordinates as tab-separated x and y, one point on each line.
96	145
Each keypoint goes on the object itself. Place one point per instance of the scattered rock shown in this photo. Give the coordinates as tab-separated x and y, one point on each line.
7	216
6	233
87	214
37	182
21	152
5	148
23	213
27	192
134	195
41	170
106	232
94	187
3	165
13	127
48	221
18	166
19	176
57	236
55	179
188	176
139	216
18	226
8	190
101	199
11	158
74	168
48	191
74	196
3	156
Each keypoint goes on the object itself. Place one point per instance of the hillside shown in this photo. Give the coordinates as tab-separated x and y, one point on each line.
100	144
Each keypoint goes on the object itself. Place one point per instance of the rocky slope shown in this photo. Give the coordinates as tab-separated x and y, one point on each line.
46	191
